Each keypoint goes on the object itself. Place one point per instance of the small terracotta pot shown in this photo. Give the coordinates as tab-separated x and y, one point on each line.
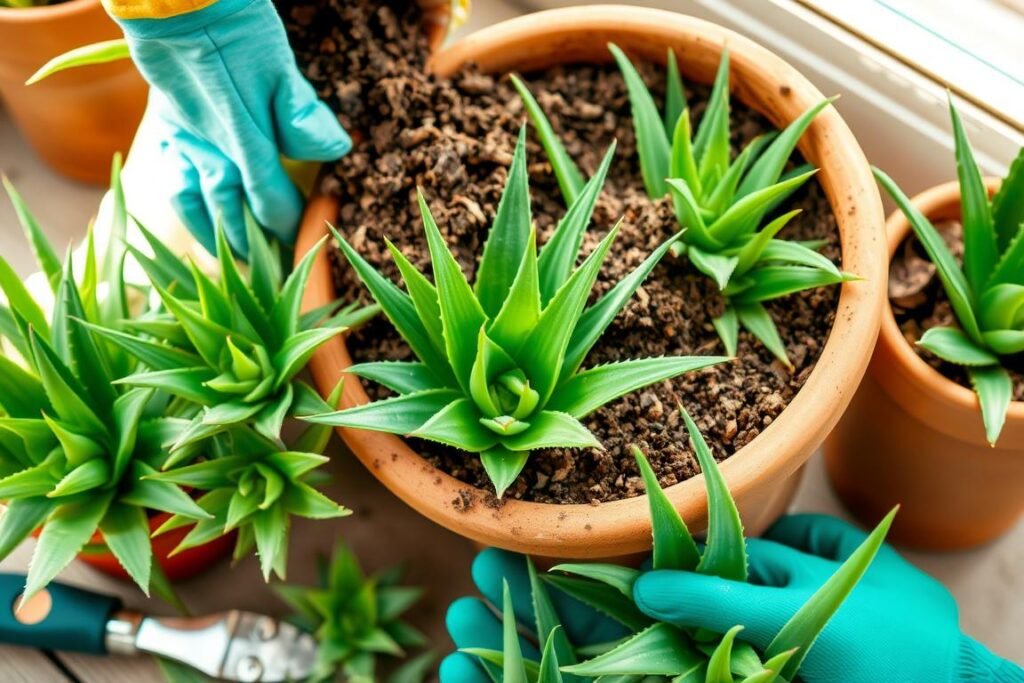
76	120
763	476
913	437
181	567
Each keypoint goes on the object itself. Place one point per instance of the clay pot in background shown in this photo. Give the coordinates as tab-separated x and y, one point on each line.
75	120
764	475
911	436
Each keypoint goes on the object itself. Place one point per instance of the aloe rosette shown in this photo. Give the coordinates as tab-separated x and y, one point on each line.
76	447
255	486
499	362
987	292
725	205
357	620
230	348
233	345
655	652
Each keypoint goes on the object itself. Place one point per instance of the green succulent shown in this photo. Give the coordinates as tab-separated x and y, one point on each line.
654	651
255	485
723	204
233	345
87	55
356	619
499	363
987	293
76	447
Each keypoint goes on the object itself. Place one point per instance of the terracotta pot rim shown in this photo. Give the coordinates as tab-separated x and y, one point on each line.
782	447
45	13
937	384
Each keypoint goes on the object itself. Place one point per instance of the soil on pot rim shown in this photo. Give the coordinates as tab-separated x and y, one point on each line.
455	137
919	303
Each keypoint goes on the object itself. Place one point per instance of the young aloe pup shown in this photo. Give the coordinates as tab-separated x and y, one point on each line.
724	205
655	651
499	369
358	620
987	293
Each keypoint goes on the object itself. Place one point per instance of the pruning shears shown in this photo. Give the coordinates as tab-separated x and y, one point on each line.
233	645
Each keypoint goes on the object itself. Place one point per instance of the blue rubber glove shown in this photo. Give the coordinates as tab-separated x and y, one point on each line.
898	625
472	624
231	101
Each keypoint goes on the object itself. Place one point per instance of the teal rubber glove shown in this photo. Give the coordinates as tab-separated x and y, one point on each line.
471	624
898	625
231	100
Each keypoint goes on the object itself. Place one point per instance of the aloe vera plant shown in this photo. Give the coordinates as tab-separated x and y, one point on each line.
255	486
231	349
499	362
987	292
114	411
724	204
654	651
233	345
356	619
76	447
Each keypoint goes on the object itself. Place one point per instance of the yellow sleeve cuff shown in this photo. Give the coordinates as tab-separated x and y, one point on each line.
153	9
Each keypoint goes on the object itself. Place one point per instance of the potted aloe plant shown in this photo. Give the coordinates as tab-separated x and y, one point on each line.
945	380
654	651
76	448
550	508
721	204
499	363
114	412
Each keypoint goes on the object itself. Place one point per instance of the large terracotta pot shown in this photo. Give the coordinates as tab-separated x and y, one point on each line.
78	119
911	436
763	476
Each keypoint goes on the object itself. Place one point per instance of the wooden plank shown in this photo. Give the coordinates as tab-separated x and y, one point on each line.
21	665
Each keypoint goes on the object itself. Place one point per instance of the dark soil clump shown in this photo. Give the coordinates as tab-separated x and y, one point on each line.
919	303
454	137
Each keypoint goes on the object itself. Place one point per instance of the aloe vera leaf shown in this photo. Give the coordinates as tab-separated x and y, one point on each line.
951	344
660	649
754	317
1008	204
570	180
976	213
652	141
728	328
674	547
994	389
961	297
675	93
87	55
507	240
767	170
725	555
503	466
804	627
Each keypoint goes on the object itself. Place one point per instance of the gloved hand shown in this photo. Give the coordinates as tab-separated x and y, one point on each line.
472	625
898	625
231	100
